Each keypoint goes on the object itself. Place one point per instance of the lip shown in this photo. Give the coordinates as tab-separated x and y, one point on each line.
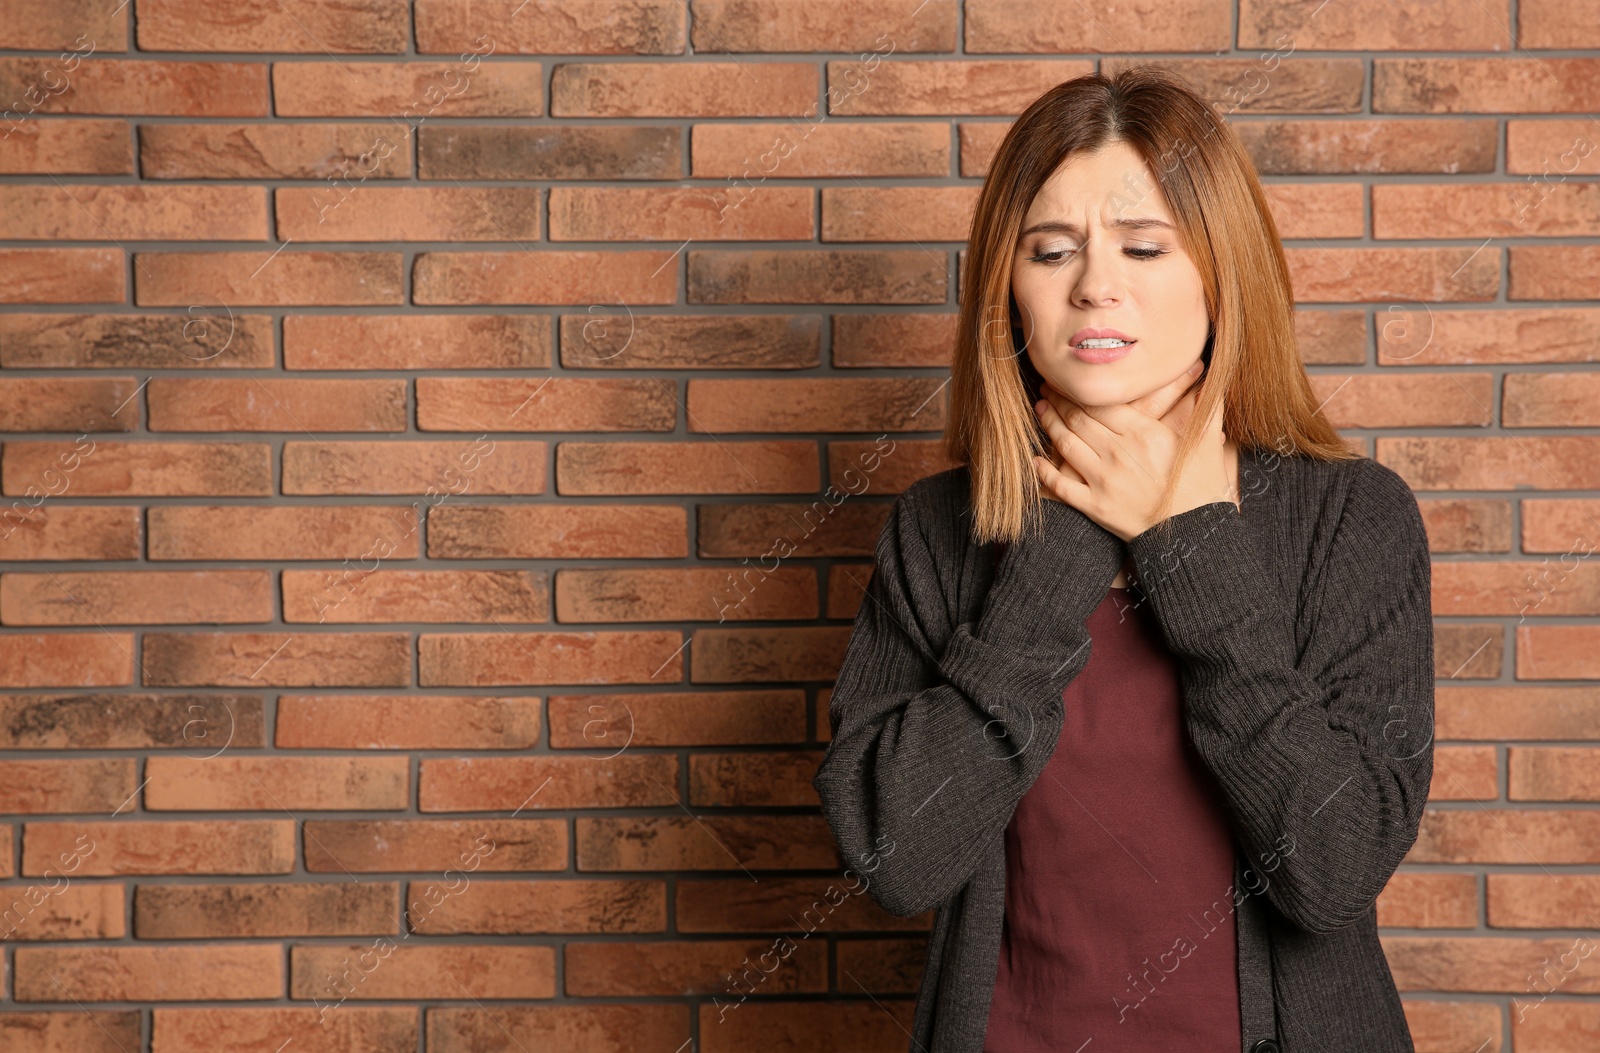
1101	354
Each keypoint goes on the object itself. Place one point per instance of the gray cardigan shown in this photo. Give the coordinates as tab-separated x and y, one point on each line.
1303	627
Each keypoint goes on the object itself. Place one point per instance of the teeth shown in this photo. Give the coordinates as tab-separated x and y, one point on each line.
1105	341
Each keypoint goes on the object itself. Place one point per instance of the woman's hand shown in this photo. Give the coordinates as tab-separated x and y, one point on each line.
1112	462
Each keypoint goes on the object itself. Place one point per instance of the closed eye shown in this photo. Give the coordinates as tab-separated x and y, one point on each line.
1055	257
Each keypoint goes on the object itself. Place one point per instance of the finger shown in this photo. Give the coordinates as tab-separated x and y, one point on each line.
1070	445
1090	426
1160	402
1059	485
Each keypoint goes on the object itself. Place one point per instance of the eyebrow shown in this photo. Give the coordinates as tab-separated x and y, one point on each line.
1056	226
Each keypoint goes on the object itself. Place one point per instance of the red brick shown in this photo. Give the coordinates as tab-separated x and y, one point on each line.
149	974
1415	900
1370	146
820	404
1554	272
681	213
133	213
758	655
899	26
677	89
605	1028
629	27
68	532
1040	26
775	466
368	597
547	905
99	849
749	842
416	341
747	529
1428	335
692	967
407	722
371	213
693	594
62	276
344	847
908	213
1551	149
1363	400
67	24
1387	275
575	277
1522	836
769	779
1557	24
312	1029
78	404
1376	25
483	784
116	86
514	658
1554	773
155	469
866	340
35	787
410	90
632	340
293	278
750	153
283	532
203	338
82	147
1542	901
67	912
450	151
470	466
134	597
546	404
333	659
266	25
1486	210
1317	210
96	721
1537	462
1485	85
90	659
413	971
689	718
817	276
276	404
1247	85
264	151
553	531
979	86
324	908
264	784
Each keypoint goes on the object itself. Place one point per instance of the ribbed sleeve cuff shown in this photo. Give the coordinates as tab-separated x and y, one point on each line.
1046	584
1207	584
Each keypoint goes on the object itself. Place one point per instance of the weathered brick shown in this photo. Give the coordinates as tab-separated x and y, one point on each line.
552	276
374	659
276	404
371	213
778	25
948	86
284	278
1034	26
100	849
283	532
405	722
206	337
681	214
676	89
619	27
507	658
65	24
412	91
61	147
529	152
62	276
134	597
775	466
1484	85
750	153
133	213
415	341
143	87
348	152
266	25
546	404
472	465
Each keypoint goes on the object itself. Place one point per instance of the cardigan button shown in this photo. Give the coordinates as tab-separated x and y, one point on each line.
1266	1045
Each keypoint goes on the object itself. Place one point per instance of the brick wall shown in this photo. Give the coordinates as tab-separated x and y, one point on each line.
393	393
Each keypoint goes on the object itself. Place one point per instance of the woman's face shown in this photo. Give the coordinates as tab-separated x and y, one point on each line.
1100	251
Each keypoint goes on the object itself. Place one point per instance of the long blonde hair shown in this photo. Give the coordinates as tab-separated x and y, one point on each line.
1223	219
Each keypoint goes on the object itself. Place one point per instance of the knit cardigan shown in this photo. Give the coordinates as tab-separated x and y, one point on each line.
1302	624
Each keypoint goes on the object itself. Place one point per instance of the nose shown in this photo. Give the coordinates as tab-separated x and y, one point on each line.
1098	284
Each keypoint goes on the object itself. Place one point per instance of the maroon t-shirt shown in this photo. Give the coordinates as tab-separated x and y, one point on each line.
1119	916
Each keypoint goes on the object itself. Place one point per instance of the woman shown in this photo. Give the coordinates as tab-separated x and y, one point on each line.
1140	697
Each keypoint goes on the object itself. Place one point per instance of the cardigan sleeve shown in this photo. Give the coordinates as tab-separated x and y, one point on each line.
1324	758
940	728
